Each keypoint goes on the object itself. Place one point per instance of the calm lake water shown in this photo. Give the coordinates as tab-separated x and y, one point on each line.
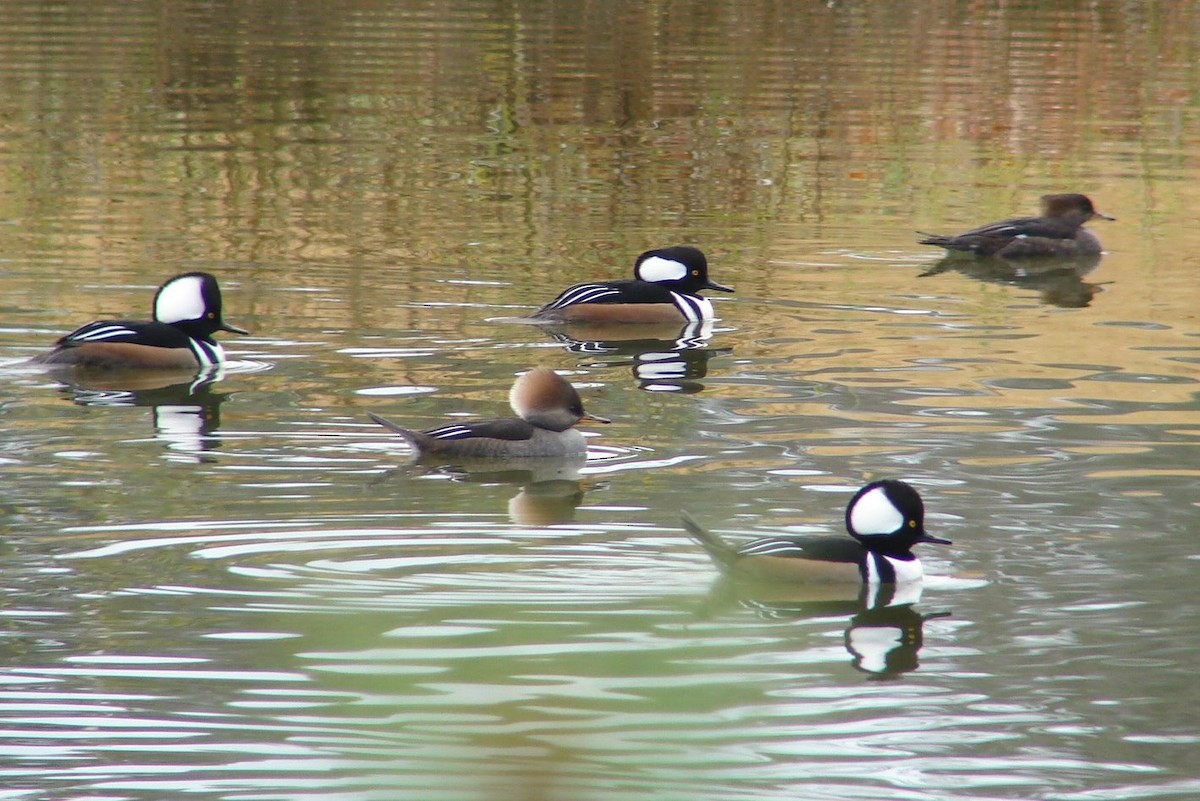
233	587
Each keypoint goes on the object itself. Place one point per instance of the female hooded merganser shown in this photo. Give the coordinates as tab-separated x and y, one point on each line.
187	312
1058	232
885	518
663	289
547	408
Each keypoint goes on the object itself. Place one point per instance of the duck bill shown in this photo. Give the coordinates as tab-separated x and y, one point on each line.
932	539
718	287
1104	216
233	329
591	418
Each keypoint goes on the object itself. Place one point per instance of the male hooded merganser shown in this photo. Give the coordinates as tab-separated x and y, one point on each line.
663	289
1058	232
885	518
547	408
187	312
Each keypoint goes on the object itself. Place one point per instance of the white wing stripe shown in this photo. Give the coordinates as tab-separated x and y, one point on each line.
448	432
105	332
584	293
772	548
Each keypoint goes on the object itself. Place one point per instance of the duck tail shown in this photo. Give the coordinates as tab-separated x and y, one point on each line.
413	438
933	239
717	548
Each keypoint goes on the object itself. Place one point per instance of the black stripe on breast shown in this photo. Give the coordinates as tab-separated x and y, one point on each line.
688	305
880	566
206	354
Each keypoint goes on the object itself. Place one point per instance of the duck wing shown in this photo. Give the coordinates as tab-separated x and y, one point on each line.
141	332
510	429
628	291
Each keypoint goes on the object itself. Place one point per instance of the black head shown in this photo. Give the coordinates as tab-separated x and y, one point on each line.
682	268
192	302
888	516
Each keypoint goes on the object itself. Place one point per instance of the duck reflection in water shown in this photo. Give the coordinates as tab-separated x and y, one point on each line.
662	358
1059	281
884	633
872	570
185	409
550	489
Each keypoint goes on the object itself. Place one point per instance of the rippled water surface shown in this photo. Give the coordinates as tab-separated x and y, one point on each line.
233	586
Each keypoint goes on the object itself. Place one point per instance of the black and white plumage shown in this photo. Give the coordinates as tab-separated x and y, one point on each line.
665	288
886	636
187	312
885	518
547	409
1058	232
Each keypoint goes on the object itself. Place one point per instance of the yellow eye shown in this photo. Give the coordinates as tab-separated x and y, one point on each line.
695	272
912	523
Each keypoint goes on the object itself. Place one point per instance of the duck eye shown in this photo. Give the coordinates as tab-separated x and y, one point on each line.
912	523
695	272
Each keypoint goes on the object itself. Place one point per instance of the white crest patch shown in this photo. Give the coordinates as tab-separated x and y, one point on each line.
656	268
875	514
180	300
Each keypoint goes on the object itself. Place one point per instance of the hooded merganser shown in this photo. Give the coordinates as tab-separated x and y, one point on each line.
547	408
663	289
1058	232
187	312
886	518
